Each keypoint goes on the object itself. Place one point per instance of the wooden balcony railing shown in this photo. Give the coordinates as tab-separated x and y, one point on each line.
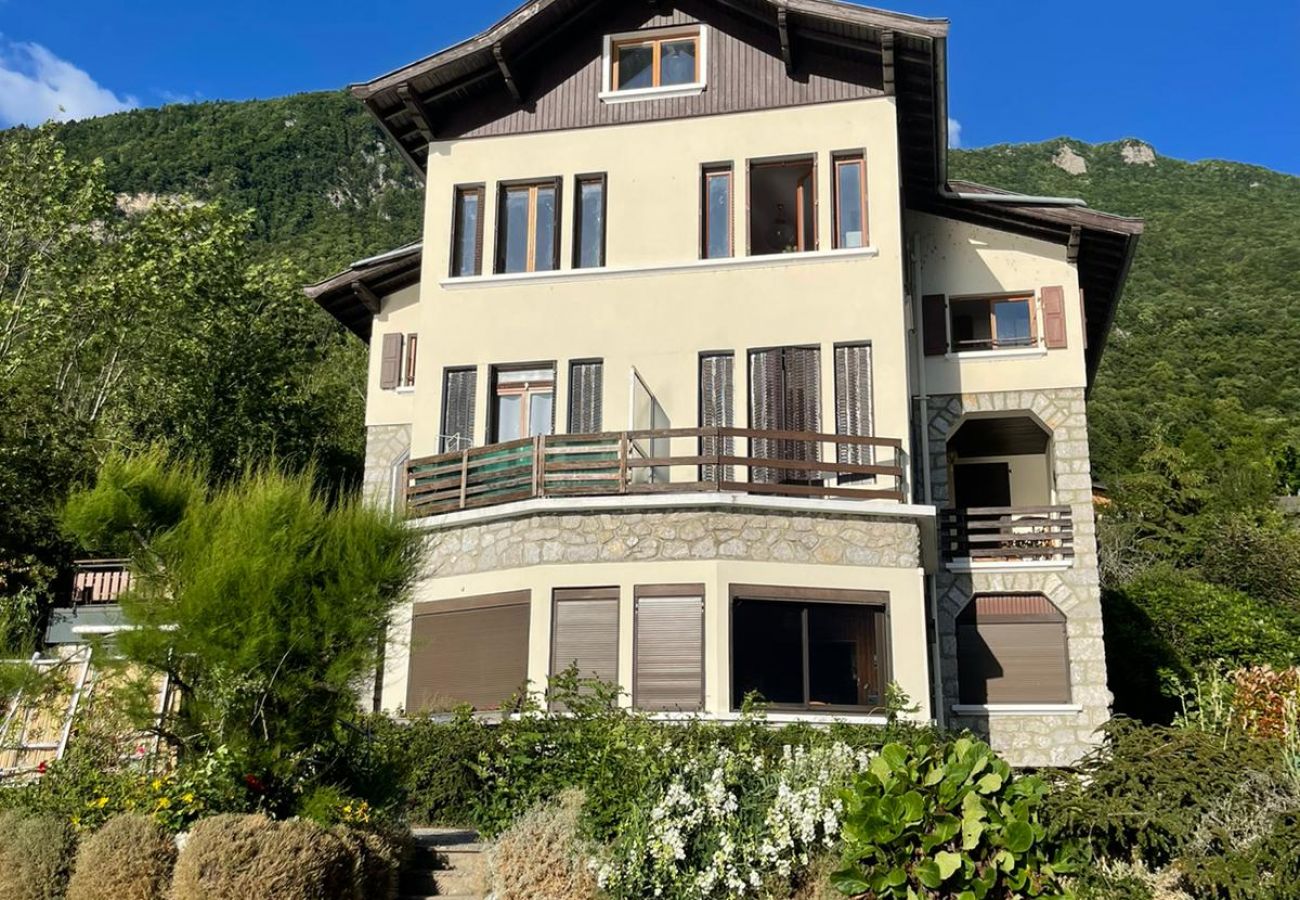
679	460
99	580
1008	533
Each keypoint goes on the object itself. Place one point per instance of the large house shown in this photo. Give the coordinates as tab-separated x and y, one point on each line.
707	378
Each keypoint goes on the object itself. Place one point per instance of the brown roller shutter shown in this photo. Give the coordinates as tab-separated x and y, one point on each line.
586	391
1012	649
458	394
1054	335
717	410
668	661
934	316
854	415
585	633
390	365
475	653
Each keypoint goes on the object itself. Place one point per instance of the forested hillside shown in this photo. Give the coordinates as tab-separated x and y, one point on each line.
1206	338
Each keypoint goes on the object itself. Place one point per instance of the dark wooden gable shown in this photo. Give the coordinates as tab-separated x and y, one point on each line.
559	79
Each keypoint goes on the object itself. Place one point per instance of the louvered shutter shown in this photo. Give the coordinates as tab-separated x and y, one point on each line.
717	410
854	415
669	653
390	364
1012	649
586	386
802	409
476	653
1054	334
934	321
460	388
785	395
766	407
586	633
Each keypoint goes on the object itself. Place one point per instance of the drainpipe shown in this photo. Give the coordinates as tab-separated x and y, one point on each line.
923	399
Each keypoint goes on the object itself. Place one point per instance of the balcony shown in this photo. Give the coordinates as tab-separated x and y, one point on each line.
1043	534
663	461
92	606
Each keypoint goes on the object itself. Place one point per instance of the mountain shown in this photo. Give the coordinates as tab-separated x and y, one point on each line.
1206	344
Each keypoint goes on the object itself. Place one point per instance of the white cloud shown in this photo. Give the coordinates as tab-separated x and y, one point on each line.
954	134
36	86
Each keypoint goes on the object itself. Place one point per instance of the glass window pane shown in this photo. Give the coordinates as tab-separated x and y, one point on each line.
540	414
1013	322
677	63
635	67
591	227
718	243
508	406
467	235
970	325
850	205
843	660
767	651
544	257
515	228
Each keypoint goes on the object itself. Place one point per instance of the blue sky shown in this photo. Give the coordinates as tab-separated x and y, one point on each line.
1197	80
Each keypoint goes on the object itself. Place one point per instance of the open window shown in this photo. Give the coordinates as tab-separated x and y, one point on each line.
782	206
523	403
993	323
809	649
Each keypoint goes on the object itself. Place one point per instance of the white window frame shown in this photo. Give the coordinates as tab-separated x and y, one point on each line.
609	95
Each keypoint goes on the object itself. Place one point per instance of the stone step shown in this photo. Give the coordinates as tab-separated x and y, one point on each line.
446	862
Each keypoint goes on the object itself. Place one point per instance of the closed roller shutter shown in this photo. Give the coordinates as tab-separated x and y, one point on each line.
471	651
1012	649
669	655
586	633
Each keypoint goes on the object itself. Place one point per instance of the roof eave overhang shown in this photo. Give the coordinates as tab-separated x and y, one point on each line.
353	297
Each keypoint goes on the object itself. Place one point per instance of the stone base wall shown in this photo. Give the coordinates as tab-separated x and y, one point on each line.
387	447
1033	740
590	537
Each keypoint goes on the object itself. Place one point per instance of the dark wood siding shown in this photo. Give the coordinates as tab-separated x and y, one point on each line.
475	652
1012	649
745	72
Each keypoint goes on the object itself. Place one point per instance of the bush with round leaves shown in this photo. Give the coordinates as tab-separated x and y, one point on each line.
130	858
947	820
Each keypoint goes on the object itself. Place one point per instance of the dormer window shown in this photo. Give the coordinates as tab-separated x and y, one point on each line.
648	64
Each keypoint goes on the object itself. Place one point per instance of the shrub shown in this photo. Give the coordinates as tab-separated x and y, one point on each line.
130	858
377	858
1146	791
1269	869
540	856
36	854
933	818
232	857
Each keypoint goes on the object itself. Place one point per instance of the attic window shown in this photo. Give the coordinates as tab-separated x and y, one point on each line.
654	64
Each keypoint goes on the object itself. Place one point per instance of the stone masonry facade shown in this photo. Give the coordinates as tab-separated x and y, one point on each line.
1033	740
387	448
678	534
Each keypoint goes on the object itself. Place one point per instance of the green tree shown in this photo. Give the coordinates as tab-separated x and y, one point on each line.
263	600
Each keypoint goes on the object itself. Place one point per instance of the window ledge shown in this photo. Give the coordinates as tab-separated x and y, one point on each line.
693	265
404	390
655	93
1016	709
1037	565
1017	353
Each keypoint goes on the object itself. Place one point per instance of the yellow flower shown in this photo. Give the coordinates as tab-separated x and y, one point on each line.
188	798
101	803
164	803
157	784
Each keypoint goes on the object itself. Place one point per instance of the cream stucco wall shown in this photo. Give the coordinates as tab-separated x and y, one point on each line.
907	635
958	259
399	313
659	321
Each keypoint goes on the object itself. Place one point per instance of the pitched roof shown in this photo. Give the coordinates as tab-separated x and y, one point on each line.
353	296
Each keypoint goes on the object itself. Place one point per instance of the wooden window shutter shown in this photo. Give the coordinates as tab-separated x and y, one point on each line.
460	388
390	365
785	395
668	672
803	378
1054	334
854	414
934	321
586	393
475	654
586	633
1012	649
412	344
766	407
717	410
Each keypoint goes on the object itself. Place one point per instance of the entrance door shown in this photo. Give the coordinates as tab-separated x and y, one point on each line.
980	485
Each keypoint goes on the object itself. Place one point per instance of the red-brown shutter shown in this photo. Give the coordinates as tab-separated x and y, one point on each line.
390	366
1054	318
934	316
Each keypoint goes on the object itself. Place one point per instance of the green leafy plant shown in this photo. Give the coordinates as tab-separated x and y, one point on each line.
951	820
